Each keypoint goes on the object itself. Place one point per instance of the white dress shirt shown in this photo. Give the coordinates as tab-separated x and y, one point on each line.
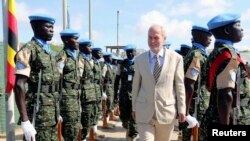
152	59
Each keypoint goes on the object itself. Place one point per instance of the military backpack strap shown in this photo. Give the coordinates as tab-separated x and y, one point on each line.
224	56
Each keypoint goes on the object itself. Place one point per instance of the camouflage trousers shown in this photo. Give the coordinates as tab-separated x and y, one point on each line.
88	117
46	116
125	115
47	134
98	111
70	112
110	99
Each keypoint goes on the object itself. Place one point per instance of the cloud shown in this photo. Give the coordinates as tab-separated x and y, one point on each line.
77	21
246	16
23	12
179	28
181	9
153	17
174	27
95	35
201	8
209	8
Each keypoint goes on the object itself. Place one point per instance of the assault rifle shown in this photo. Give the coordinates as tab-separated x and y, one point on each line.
36	104
236	99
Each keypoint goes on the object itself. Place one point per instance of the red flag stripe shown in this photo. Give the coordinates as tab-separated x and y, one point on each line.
12	23
10	78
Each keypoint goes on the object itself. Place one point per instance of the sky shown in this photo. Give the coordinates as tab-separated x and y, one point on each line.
135	17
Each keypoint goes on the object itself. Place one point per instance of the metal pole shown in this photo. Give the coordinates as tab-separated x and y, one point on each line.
9	98
90	20
117	50
65	15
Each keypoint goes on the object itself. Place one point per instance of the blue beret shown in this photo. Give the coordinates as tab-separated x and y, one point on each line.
195	27
85	42
129	47
185	46
166	43
41	17
69	32
222	20
96	49
107	54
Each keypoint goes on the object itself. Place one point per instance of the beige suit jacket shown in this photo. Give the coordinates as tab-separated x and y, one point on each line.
150	97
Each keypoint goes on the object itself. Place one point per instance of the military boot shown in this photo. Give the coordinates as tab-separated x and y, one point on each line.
128	138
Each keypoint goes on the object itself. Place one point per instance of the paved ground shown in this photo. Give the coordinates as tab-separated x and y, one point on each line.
116	134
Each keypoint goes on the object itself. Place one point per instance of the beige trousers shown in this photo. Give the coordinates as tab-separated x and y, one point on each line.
153	131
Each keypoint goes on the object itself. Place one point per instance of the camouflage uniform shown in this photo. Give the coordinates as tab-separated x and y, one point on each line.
69	104
211	116
88	96
35	58
125	71
109	74
97	70
194	67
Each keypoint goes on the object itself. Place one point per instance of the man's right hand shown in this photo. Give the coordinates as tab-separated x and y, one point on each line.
192	122
28	130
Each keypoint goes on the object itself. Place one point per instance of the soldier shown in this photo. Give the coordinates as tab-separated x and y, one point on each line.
35	66
178	51
98	81
197	97
184	49
125	73
69	66
108	73
226	71
114	61
88	96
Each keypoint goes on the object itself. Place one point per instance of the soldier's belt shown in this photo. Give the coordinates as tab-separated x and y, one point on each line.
45	88
71	85
89	102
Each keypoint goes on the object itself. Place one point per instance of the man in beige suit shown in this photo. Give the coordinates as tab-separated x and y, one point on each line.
158	81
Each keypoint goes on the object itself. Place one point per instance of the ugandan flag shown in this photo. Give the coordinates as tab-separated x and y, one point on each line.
12	45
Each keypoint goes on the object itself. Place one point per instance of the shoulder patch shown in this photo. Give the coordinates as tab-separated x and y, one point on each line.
233	75
194	72
20	65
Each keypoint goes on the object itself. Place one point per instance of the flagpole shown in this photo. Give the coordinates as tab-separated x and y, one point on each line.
117	51
9	98
90	20
65	15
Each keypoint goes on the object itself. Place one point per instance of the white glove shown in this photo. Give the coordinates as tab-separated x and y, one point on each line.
192	122
60	118
104	96
28	130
